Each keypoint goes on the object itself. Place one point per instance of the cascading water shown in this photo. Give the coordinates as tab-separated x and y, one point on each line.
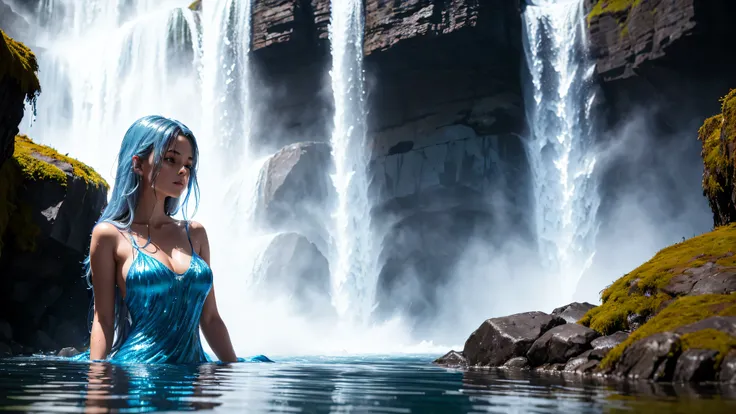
109	64
560	148
352	265
107	67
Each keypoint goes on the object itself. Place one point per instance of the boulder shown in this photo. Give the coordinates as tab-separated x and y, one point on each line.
609	342
587	367
518	362
696	365
728	368
452	359
296	191
293	266
53	202
560	343
499	339
650	358
575	362
573	312
68	352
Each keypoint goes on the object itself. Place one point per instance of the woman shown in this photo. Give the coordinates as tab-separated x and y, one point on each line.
150	273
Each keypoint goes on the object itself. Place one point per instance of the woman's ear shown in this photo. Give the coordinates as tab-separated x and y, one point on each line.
137	168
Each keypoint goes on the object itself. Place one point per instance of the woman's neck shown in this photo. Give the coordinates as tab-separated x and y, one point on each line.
150	209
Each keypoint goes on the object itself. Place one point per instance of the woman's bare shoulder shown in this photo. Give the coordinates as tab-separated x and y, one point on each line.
197	229
105	230
106	236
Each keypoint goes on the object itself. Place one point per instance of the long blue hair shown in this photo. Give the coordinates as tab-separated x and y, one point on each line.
155	134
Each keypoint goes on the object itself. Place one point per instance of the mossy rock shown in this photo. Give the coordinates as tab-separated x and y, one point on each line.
640	292
41	162
682	312
619	9
611	7
718	136
19	63
30	162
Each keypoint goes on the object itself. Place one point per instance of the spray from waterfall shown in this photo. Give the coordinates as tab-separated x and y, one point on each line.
560	148
352	265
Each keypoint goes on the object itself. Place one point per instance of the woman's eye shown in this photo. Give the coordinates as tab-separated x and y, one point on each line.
189	167
169	159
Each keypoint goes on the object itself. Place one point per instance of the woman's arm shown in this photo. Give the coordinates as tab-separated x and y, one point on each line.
102	262
212	325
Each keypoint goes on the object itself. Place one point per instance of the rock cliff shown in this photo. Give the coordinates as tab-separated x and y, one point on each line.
48	205
445	117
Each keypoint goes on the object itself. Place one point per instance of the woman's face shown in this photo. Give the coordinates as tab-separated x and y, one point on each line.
176	165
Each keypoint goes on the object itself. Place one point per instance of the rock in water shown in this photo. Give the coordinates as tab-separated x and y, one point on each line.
728	368
560	343
696	365
452	359
499	339
651	358
518	362
573	312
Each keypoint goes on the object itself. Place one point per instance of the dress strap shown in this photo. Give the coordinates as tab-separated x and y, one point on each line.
191	246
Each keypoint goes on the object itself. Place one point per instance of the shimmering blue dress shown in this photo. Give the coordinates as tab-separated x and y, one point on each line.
165	308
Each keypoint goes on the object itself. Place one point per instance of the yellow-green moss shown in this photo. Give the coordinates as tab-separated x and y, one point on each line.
682	311
16	222
611	6
638	291
35	169
19	63
718	135
710	339
196	5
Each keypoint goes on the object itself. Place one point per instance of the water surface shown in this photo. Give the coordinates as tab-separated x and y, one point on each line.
380	384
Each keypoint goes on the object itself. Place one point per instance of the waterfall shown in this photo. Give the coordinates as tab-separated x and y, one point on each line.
110	62
352	264
108	66
560	148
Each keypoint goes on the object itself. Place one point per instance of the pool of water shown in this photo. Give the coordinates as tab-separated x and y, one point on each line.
391	384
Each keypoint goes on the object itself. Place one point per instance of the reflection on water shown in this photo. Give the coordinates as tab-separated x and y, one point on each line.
321	384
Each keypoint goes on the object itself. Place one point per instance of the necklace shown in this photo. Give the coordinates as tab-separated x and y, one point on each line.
148	240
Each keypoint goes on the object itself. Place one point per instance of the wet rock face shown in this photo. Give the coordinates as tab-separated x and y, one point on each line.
561	343
696	365
706	279
296	191
499	339
610	341
573	312
650	358
728	368
452	359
